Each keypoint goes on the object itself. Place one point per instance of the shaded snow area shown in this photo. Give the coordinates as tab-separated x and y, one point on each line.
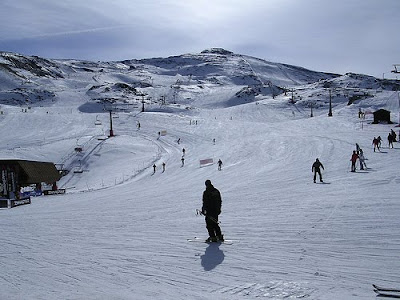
120	231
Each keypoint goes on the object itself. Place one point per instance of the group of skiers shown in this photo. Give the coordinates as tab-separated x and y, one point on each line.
183	162
357	154
377	141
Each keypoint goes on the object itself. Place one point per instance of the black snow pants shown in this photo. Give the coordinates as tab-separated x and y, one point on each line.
212	226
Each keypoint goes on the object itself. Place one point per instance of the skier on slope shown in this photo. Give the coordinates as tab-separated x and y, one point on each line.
211	209
390	139
353	159
219	165
394	135
361	158
375	142
182	161
316	169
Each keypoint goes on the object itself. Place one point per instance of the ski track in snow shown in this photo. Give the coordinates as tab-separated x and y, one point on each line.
120	232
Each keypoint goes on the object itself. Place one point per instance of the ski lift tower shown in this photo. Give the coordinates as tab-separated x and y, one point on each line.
111	127
397	71
330	104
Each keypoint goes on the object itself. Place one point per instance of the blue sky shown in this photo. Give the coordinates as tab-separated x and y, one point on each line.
339	36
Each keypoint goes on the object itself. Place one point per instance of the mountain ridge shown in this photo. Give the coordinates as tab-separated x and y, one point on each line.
174	80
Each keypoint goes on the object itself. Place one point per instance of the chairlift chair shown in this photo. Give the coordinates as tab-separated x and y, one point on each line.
97	122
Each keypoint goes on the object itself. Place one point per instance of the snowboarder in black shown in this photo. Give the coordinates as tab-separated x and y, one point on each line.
316	169
211	209
219	165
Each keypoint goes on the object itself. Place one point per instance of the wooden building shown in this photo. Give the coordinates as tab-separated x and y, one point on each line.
382	116
15	174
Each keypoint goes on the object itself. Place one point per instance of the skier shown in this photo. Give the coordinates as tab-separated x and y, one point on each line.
163	167
183	161
154	168
390	140
361	158
138	125
211	209
183	151
379	141
375	142
353	159
316	169
394	135
219	165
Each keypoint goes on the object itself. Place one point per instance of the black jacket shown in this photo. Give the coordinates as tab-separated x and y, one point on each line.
316	165
212	201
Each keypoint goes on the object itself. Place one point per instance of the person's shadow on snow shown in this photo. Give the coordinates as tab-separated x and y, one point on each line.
212	257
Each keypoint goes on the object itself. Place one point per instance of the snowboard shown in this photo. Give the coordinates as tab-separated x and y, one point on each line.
199	240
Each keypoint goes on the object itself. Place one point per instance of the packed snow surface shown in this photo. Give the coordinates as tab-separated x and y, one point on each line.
120	231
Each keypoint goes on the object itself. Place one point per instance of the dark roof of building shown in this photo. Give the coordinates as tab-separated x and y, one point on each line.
379	111
35	171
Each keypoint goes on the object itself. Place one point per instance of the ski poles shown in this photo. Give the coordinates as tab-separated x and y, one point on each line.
199	212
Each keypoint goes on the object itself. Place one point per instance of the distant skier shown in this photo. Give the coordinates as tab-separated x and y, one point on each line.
375	142
183	161
316	169
219	165
163	167
138	125
179	141
379	141
183	151
390	140
212	203
394	135
353	159
361	158
154	168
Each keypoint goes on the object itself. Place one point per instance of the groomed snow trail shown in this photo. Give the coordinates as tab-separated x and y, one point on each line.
127	239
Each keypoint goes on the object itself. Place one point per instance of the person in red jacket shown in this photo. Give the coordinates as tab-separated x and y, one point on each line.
353	160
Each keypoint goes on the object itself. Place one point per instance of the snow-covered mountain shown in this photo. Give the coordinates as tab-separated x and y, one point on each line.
121	230
174	80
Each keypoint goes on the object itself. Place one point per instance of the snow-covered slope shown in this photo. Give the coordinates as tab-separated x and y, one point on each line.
120	231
